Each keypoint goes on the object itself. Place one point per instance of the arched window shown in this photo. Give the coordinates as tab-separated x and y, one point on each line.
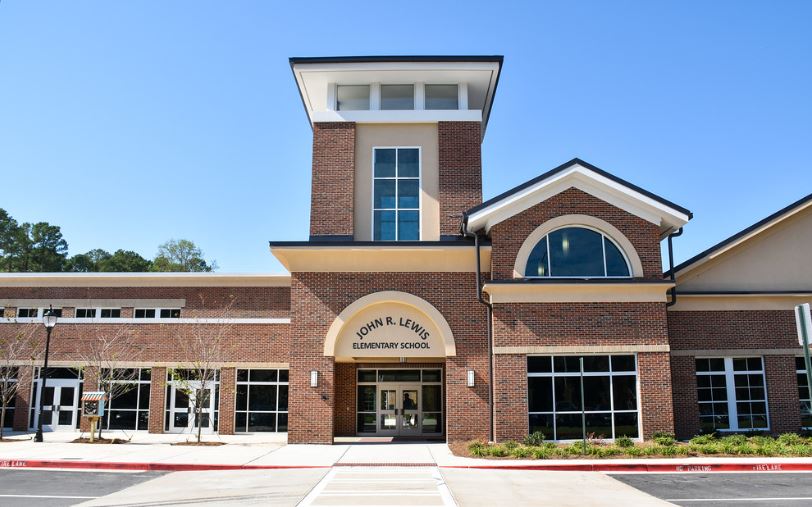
576	252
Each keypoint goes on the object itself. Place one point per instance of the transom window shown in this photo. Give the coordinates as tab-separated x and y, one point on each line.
157	313
576	252
396	194
732	394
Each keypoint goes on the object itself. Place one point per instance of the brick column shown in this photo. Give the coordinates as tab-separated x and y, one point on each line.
25	398
228	393
345	404
686	405
91	383
782	394
310	409
510	379
656	404
466	407
460	167
157	399
332	189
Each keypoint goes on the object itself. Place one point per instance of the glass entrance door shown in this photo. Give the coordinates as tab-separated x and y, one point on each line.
60	404
183	405
399	412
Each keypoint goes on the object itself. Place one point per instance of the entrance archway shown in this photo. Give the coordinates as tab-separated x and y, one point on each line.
389	324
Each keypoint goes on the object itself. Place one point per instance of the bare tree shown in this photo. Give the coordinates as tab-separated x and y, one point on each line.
105	349
17	347
205	347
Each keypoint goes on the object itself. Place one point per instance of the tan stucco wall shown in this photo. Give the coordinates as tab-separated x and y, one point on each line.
778	259
373	135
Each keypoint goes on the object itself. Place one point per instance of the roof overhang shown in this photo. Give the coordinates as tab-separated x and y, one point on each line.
743	236
588	178
367	257
315	75
142	280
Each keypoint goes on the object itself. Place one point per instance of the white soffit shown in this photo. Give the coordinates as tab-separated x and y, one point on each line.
589	181
313	79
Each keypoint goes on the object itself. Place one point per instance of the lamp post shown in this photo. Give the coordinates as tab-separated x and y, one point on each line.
49	321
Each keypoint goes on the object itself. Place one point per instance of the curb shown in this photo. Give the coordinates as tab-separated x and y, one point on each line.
651	467
145	467
563	467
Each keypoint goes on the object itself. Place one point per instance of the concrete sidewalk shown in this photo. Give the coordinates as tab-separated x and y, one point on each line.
155	452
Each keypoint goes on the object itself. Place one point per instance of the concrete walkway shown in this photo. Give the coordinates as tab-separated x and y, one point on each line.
271	450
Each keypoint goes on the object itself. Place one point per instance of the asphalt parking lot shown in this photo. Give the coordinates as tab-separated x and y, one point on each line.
59	487
726	489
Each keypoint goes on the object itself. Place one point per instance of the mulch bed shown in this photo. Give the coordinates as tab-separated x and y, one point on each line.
203	444
86	440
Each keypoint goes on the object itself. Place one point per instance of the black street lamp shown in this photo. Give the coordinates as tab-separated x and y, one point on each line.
49	321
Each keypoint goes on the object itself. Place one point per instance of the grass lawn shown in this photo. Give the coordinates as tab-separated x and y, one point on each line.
661	446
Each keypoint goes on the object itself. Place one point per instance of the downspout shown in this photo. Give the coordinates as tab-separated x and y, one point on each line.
489	306
671	266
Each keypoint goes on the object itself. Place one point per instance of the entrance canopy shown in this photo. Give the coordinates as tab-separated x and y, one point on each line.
389	324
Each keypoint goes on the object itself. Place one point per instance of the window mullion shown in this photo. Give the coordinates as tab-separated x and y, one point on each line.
549	256
603	247
731	394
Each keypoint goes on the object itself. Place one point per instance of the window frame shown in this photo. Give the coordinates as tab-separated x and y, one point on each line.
396	209
248	383
605	237
157	313
730	387
138	403
97	312
609	373
425	96
801	372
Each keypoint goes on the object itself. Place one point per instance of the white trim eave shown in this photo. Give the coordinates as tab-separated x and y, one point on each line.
747	237
397	116
589	181
142	280
68	320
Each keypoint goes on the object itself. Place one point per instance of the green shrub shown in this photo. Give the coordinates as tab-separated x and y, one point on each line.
478	448
498	451
790	439
520	452
734	440
535	438
541	452
511	444
663	438
624	442
705	439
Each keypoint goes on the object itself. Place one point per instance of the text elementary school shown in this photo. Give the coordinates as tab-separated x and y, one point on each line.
415	309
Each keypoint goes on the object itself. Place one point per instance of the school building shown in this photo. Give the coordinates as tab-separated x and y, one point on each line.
416	309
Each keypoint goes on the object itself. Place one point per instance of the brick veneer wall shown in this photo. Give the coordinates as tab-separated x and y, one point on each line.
507	237
157	400
734	329
25	398
149	343
573	325
228	393
331	199
246	302
460	165
317	298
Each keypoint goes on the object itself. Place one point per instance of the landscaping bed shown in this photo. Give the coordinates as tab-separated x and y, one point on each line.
86	440
661	446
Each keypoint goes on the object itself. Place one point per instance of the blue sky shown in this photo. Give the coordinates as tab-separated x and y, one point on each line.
131	123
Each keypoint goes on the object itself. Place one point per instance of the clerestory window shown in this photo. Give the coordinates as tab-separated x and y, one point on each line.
577	252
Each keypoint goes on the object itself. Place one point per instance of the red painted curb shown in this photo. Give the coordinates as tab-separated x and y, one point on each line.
653	467
152	467
585	467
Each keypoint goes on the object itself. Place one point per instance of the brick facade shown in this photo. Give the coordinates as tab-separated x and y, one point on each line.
332	194
318	298
507	236
751	333
460	145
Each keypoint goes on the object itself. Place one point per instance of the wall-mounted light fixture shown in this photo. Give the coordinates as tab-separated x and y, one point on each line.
314	378
470	378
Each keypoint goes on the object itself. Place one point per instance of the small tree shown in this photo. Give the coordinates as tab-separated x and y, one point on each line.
106	347
16	347
205	346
